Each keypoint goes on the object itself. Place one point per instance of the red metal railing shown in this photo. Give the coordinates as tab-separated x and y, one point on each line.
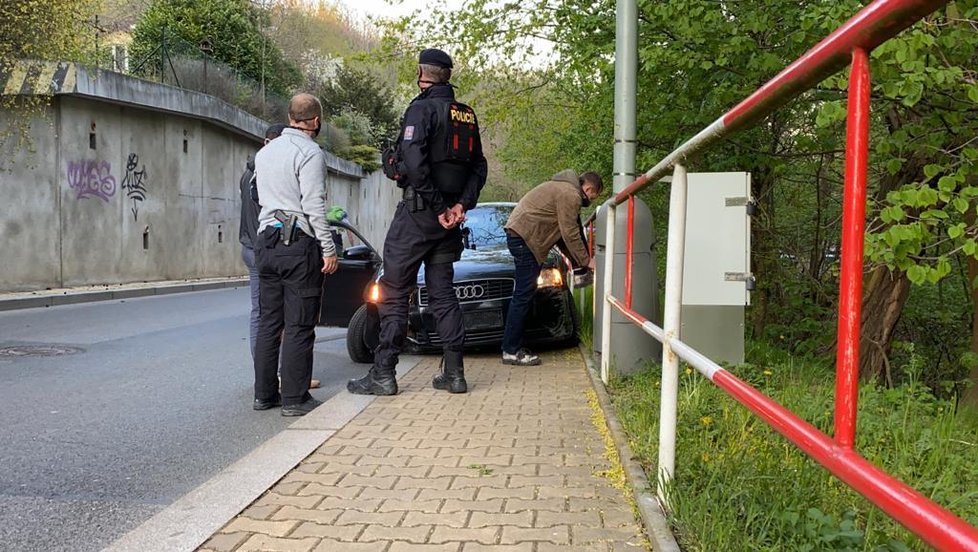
849	44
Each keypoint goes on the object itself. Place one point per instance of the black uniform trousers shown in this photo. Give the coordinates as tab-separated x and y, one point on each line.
290	292
413	238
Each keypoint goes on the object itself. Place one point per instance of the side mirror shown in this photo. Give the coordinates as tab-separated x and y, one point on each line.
359	253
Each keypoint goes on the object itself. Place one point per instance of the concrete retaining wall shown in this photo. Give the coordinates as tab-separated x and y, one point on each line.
130	181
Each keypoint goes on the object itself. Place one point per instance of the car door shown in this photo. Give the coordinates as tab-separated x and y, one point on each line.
343	290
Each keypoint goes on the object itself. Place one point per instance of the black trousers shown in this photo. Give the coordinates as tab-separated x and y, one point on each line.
413	238
290	287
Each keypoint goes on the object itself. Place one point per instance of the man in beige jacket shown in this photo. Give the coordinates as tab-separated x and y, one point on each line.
547	214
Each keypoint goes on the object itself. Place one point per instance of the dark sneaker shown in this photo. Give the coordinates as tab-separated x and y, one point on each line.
266	404
367	385
522	357
300	409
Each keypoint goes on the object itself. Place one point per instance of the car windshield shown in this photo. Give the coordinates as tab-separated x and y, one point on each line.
485	224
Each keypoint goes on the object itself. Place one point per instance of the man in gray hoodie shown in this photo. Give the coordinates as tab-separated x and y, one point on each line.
294	250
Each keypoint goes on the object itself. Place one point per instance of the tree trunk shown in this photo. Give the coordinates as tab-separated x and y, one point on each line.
883	300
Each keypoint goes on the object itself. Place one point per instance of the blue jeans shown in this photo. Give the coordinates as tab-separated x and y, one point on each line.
248	256
527	272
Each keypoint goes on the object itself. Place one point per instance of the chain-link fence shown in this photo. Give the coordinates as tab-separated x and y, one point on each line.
177	62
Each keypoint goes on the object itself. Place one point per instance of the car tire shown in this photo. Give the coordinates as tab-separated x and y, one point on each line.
356	342
575	336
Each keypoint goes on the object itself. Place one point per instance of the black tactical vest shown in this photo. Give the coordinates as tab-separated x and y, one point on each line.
453	146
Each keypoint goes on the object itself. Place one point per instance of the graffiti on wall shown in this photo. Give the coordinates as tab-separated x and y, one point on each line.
91	178
134	183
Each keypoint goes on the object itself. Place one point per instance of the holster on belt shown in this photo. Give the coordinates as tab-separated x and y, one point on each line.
290	225
413	199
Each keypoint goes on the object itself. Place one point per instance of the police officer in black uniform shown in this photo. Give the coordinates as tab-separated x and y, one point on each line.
441	168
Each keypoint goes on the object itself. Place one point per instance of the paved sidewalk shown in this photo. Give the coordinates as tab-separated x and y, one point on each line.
517	464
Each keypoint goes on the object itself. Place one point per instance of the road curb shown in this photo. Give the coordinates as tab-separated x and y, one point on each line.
16	301
653	516
192	519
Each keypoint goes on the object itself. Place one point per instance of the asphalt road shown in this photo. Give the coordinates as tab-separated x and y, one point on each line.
152	399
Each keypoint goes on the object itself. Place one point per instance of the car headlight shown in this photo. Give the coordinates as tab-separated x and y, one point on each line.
550	277
373	293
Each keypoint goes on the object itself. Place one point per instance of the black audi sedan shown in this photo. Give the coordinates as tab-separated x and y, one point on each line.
483	284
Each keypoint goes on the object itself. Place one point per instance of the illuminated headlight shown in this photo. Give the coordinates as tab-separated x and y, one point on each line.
373	293
550	277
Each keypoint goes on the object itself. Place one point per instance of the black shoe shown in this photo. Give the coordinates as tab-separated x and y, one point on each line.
266	404
522	357
452	376
450	384
300	409
369	385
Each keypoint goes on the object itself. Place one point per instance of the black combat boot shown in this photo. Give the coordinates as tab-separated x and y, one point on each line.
378	381
452	377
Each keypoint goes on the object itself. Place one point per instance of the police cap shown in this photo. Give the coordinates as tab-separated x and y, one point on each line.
436	57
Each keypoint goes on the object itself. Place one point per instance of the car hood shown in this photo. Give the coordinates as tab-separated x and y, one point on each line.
494	262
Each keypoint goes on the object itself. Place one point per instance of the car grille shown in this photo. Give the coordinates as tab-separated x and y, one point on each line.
473	291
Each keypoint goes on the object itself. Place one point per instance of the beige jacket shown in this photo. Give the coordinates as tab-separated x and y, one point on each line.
550	213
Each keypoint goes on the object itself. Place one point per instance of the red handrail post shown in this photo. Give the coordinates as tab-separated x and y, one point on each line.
853	230
629	248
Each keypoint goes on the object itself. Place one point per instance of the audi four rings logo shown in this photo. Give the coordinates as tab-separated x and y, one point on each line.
470	291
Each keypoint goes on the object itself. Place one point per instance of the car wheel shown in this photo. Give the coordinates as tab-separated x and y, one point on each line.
356	337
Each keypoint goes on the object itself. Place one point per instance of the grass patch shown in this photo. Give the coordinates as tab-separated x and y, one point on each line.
741	486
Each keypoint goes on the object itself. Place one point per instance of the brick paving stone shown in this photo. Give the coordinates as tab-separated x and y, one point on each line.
417	453
361	503
417	534
491	442
492	481
483	519
559	534
484	535
630	546
261	512
273	528
482	460
225	542
590	518
395	505
308	466
456	519
383	460
617	517
324	517
592	547
569	492
476	547
332	545
491	505
274	499
618	534
401	471
440	483
265	543
398	546
289	488
319	478
438	494
434	461
346	533
389	519
518	481
486	493
372	482
536	505
389	494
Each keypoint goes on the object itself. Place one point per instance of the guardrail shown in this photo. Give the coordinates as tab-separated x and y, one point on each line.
850	44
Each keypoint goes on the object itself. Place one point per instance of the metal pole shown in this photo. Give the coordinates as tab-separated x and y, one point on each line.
670	325
609	263
626	68
629	249
853	230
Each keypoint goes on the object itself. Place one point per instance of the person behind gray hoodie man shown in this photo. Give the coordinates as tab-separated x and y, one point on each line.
547	215
294	250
